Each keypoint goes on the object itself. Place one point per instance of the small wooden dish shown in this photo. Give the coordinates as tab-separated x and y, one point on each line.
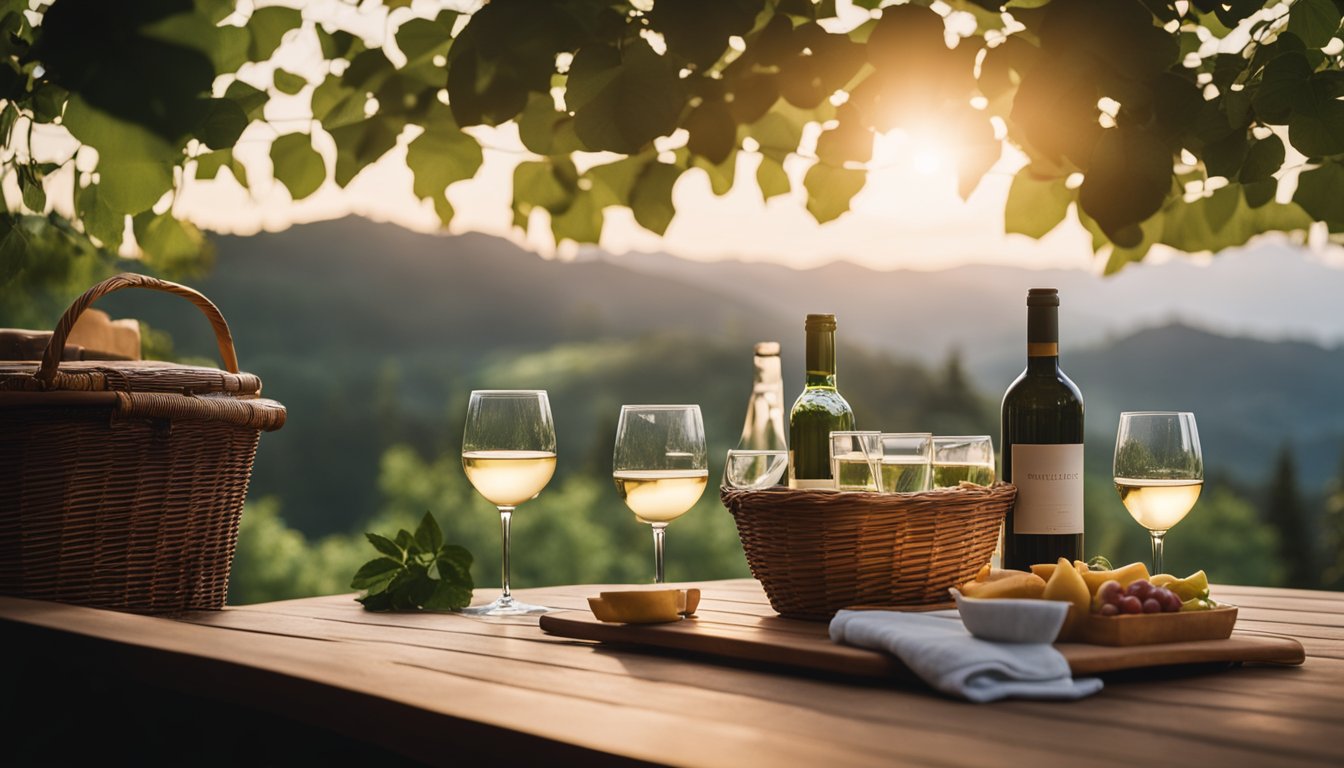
1150	628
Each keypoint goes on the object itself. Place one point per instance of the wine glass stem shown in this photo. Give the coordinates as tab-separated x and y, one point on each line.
505	517
659	530
1158	537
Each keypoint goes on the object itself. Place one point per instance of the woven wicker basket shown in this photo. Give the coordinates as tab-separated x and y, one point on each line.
816	552
121	483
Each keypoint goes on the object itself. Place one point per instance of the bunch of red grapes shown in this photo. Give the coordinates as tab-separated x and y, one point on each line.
1139	597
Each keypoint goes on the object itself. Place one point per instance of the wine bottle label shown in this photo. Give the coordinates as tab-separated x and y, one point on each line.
1049	480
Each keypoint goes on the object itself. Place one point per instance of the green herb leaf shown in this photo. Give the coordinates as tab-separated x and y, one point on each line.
428	535
416	571
386	546
374	572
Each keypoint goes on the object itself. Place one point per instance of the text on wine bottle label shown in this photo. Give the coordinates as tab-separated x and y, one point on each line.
1049	480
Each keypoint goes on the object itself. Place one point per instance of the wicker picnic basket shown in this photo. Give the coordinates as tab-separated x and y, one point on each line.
816	552
122	482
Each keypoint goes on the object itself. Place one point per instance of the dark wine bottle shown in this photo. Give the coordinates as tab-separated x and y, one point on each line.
1042	440
819	410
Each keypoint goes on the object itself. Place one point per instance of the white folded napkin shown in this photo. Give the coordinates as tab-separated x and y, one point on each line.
940	650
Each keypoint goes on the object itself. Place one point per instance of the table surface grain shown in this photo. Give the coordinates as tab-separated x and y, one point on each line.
436	681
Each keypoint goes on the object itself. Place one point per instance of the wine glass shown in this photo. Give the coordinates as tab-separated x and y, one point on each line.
905	461
508	453
1159	470
754	470
660	466
962	458
856	458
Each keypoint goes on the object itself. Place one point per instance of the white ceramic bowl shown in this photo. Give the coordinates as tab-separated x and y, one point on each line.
1012	620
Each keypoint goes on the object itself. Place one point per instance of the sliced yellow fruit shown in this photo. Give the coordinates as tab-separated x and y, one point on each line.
690	601
1163	580
1192	587
983	573
1067	584
645	606
1044	570
1019	585
1198	604
1126	575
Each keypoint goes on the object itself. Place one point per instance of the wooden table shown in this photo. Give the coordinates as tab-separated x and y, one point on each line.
446	688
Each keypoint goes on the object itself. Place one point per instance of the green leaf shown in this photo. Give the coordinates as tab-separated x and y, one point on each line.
168	244
386	546
1127	181
252	100
448	596
379	571
1284	88
721	175
208	164
420	40
297	165
268	27
771	178
1035	205
778	133
335	103
1318	192
623	99
713	134
651	197
1318	129
612	182
15	255
1315	21
1226	219
1263	160
829	190
223	123
550	183
1260	192
580	222
7	118
34	195
454	563
288	82
536	123
428	535
48	102
359	145
507	51
441	156
100	220
405	540
135	165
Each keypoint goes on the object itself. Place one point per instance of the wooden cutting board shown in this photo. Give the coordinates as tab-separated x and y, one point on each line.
806	646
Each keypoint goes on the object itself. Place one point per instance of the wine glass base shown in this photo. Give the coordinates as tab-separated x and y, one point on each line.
504	606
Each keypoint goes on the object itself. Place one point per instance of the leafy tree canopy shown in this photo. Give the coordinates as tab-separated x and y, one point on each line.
1181	122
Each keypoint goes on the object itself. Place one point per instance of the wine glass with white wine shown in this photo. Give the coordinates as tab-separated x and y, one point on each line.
1159	470
508	453
660	466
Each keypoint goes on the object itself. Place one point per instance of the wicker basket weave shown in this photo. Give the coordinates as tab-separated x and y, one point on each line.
816	552
122	483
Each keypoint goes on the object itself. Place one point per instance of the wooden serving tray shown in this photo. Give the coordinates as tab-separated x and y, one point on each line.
806	646
1152	628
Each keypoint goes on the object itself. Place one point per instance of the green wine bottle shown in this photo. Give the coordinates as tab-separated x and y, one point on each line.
819	410
1042	441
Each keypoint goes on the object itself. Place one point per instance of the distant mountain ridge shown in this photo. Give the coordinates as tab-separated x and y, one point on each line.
1270	291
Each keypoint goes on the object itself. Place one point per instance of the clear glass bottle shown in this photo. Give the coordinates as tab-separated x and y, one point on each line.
764	426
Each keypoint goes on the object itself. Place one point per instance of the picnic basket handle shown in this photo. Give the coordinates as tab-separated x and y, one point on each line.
51	358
